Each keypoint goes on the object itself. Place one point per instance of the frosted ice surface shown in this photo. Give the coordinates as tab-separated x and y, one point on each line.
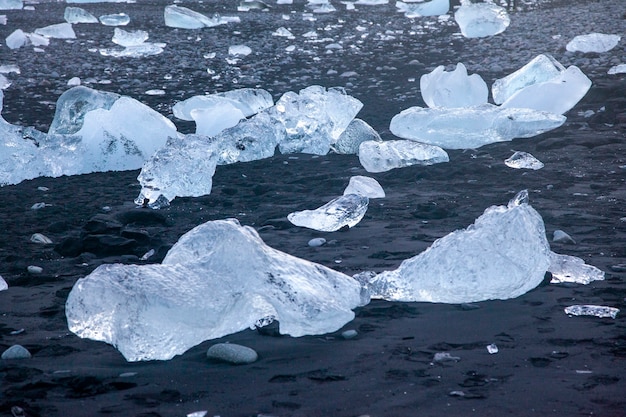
16	39
116	19
357	132
593	42
240	50
314	119
203	291
478	20
426	8
77	15
471	127
248	100
126	38
9	68
11	4
74	103
212	120
503	255
58	31
184	18
183	167
134	51
387	155
453	89
540	69
3	284
592	310
557	95
566	268
364	186
617	69
38	40
523	160
347	210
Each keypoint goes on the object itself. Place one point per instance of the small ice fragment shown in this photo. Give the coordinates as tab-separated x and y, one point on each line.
317	241
58	31
125	38
457	393
117	19
593	42
445	357
147	255
78	15
347	210
523	160
284	32
560	236
364	186
37	206
35	270
349	334
155	92
617	69
127	374
492	348
566	268
16	352
239	50
478	20
198	413
18	331
73	82
40	238
232	353
583	371
16	39
592	310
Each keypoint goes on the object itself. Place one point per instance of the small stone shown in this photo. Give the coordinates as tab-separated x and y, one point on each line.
37	206
35	270
127	374
40	238
232	353
349	334
16	352
560	236
318	241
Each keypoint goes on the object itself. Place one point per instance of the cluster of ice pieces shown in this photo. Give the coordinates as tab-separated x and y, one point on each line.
532	101
41	36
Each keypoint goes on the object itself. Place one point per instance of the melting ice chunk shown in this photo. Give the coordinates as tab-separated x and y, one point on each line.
184	18
116	19
126	38
364	186
58	31
426	8
471	127
347	210
592	310
478	20
211	121
453	89
78	15
523	160
565	268
503	255
134	51
248	100
240	50
74	103
153	312
387	155
11	4
617	69
16	39
593	42
357	132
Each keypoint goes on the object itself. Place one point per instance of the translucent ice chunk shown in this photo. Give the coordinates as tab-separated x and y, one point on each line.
58	31
347	210
426	8
617	69
364	186
471	127
212	120
240	50
153	312
116	19
540	69
565	268
184	18
453	89
357	132
503	255
74	103
557	95
592	310
390	154
16	39
523	160
248	100
11	4
478	20
3	284
125	38
593	42
134	51
77	15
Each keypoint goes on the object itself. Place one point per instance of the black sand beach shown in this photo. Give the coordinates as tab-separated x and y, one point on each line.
548	363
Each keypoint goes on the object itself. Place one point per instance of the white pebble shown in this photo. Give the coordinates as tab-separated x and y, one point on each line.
40	238
16	352
32	269
349	334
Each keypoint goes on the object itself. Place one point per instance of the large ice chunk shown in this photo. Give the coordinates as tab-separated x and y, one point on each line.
11	4
77	15
471	127
203	291
593	42
390	154
347	210
504	254
479	20
540	69
426	8
74	103
184	18
126	38
566	268
557	95
453	89
248	100
16	39
58	31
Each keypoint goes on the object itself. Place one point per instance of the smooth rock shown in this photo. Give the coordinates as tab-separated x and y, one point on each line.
16	352
232	353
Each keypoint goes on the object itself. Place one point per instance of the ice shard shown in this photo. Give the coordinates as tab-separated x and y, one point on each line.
390	154
115	19
364	186
134	51
58	31
504	254
16	39
248	100
617	69
203	291
566	268
453	89
426	8
593	42
357	132
523	160
479	20
77	15
347	210
471	127
127	38
74	103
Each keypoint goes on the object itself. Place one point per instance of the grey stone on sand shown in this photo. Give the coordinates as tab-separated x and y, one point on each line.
232	353
16	352
560	236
